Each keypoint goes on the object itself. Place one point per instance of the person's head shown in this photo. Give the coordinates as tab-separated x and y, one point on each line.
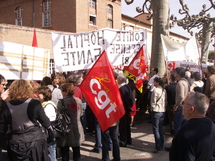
3	83
158	82
79	79
67	89
196	76
179	72
154	71
121	78
44	94
187	74
187	68
210	70
195	105
35	86
20	89
35	89
72	79
46	81
59	79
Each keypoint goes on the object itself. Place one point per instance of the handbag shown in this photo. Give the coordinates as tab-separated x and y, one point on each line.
51	139
61	126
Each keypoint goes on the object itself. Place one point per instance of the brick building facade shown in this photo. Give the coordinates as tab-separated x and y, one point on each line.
67	15
18	18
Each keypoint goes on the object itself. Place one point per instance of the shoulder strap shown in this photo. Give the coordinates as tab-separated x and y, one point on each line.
160	96
54	86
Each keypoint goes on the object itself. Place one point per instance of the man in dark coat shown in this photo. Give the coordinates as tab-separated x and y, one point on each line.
128	100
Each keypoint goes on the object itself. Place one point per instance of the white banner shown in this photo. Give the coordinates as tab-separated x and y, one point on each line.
19	61
194	67
174	51
76	51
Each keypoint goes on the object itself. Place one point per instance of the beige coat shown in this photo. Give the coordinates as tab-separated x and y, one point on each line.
157	94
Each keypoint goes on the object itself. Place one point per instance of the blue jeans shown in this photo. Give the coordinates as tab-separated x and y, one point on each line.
98	135
179	119
157	126
111	132
52	152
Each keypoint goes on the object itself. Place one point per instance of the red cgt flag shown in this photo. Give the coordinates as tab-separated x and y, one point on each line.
137	69
102	93
34	42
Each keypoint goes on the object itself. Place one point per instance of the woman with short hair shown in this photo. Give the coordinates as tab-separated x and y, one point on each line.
45	96
198	84
158	108
76	135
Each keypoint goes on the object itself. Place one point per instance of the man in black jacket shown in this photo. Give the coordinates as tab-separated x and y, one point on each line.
128	100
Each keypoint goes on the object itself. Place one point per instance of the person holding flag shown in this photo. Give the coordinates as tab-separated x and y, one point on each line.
102	94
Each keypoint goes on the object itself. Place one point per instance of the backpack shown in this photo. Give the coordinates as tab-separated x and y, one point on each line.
61	126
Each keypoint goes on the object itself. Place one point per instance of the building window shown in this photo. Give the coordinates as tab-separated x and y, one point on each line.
110	23
18	12
92	4
110	15
46	15
110	9
92	19
51	66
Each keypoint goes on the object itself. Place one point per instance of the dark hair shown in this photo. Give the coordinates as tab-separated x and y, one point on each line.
211	69
155	69
180	71
46	81
46	92
2	78
172	77
68	87
196	76
159	80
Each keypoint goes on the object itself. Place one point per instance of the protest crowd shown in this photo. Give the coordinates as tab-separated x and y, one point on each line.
31	110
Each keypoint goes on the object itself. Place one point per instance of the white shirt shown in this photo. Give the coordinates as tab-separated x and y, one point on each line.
151	82
50	112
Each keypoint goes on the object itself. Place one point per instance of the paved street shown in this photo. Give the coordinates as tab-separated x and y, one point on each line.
141	148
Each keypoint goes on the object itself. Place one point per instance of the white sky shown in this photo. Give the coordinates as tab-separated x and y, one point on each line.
194	5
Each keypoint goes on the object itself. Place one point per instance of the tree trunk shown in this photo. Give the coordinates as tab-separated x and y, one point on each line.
160	26
206	37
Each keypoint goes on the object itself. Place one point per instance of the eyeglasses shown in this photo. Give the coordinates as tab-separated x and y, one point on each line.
183	103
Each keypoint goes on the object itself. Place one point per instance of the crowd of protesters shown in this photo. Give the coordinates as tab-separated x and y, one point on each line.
184	98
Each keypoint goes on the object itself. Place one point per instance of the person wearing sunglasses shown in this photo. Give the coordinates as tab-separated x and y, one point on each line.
195	140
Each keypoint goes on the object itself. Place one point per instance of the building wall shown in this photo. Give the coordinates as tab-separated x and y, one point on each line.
66	15
24	35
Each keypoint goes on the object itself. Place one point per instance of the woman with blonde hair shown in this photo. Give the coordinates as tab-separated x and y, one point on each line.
76	135
24	115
